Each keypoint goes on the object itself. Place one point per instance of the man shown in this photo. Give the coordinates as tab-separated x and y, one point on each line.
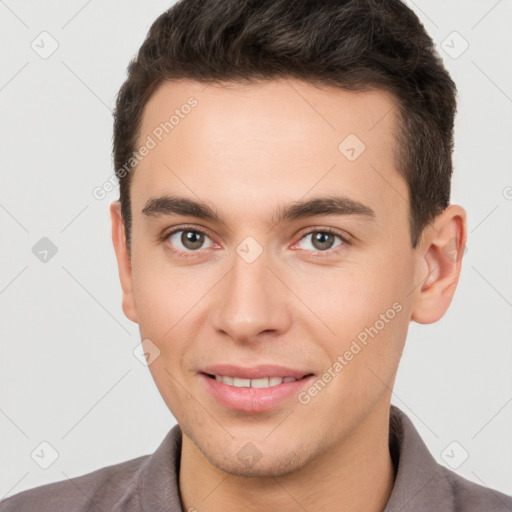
284	215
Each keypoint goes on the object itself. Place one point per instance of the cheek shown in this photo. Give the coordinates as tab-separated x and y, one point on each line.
353	296
164	295
367	311
170	303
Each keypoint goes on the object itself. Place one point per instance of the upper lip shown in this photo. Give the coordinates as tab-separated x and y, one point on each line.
254	372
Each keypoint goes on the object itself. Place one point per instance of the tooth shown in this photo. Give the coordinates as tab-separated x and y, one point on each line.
263	382
241	383
259	383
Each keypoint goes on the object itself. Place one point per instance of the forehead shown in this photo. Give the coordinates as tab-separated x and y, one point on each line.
273	139
286	108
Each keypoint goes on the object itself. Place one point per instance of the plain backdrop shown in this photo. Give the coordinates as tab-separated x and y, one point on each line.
69	376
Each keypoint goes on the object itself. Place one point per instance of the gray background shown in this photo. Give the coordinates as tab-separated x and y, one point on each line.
68	373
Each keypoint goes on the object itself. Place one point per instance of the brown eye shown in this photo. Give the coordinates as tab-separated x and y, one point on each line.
322	241
192	239
185	240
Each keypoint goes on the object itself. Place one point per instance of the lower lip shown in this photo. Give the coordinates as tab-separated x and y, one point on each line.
253	399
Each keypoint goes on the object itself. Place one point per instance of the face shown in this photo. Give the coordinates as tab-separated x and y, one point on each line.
257	286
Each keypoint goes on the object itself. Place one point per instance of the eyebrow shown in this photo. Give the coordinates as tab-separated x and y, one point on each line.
330	205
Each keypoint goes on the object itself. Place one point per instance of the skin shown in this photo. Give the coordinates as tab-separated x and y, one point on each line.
246	151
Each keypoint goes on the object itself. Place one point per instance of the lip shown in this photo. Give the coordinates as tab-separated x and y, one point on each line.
253	400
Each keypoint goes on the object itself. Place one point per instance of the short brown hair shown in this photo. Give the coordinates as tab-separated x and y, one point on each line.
350	44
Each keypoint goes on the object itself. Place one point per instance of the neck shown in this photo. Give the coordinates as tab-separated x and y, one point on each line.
355	475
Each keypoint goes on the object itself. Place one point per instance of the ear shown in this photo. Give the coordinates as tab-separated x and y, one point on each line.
439	263
123	261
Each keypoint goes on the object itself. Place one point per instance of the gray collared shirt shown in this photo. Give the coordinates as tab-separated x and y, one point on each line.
150	483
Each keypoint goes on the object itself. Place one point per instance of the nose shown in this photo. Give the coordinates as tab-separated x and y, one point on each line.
252	301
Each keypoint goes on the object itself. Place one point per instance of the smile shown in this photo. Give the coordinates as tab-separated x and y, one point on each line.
256	389
264	382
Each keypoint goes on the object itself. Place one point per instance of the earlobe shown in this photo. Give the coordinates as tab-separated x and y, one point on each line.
123	261
439	264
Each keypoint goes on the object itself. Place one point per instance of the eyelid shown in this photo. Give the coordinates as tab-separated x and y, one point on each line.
324	229
184	227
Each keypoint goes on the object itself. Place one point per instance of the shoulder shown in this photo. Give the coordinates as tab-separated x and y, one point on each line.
149	480
98	490
471	497
422	484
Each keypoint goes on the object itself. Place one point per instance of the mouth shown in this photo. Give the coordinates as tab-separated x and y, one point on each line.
255	389
263	382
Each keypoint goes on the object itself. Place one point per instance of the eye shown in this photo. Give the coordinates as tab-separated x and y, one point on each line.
322	241
187	240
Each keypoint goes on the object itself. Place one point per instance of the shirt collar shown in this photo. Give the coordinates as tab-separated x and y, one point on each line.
419	483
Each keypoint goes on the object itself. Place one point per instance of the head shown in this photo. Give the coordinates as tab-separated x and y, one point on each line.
305	156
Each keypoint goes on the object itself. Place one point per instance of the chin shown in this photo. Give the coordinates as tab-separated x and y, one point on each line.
250	462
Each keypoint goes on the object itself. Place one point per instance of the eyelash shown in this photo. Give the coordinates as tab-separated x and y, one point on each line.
329	252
